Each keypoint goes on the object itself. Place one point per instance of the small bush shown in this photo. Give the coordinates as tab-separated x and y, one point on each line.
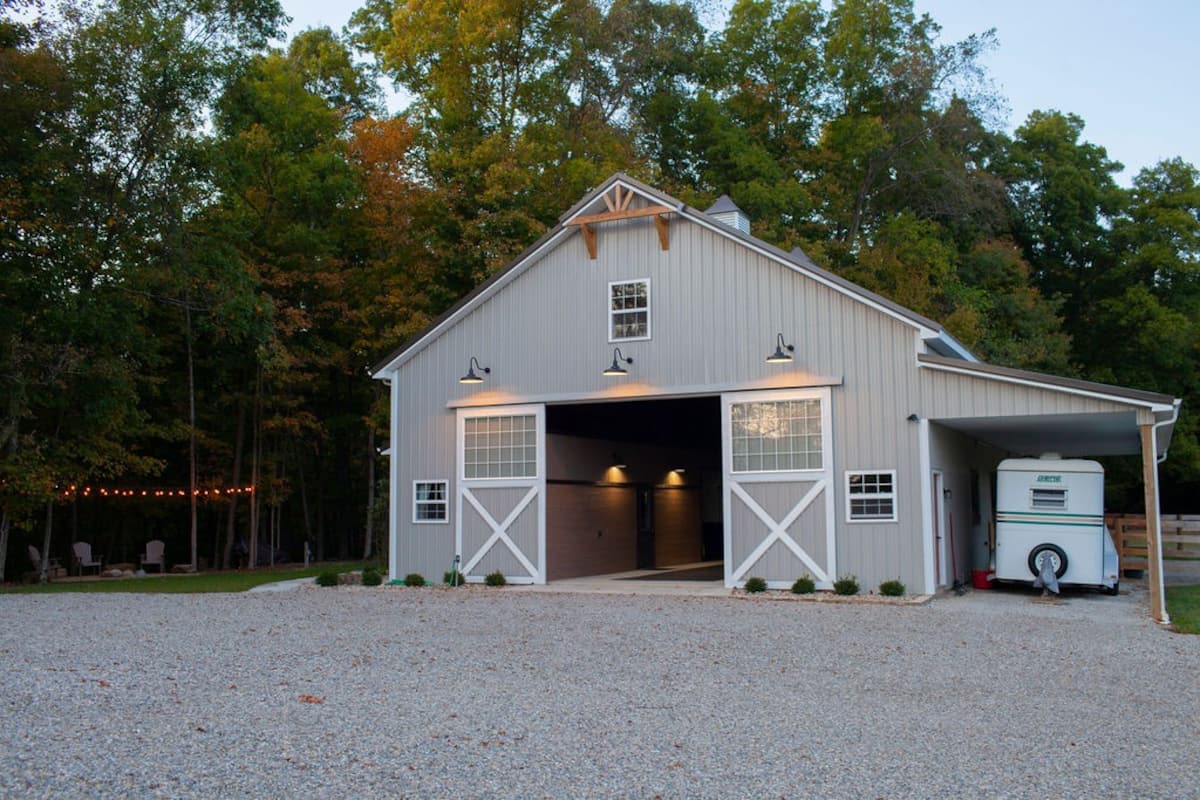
847	584
414	579
891	588
755	585
454	578
371	577
804	585
495	578
327	578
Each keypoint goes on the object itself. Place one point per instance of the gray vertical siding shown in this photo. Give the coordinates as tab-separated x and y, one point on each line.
716	307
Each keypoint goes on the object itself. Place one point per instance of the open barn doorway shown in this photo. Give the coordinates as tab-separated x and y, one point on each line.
634	485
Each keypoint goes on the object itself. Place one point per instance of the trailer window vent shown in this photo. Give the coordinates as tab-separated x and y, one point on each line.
1048	498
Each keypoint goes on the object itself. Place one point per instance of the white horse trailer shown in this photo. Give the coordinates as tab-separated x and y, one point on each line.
1053	508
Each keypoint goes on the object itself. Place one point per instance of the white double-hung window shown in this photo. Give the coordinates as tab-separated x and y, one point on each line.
628	310
871	496
430	503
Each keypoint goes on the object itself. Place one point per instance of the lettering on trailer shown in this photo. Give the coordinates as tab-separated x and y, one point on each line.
1049	478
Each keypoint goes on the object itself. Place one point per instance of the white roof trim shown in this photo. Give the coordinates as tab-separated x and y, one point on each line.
658	201
1054	387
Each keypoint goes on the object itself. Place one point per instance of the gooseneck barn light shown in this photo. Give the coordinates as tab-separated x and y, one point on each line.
471	377
615	369
783	352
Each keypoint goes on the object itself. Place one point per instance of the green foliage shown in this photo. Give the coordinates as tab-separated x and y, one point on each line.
892	588
414	579
454	578
371	577
327	577
495	578
755	585
846	585
1183	604
804	585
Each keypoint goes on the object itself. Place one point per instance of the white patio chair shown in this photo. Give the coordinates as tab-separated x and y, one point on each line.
55	569
83	557
155	555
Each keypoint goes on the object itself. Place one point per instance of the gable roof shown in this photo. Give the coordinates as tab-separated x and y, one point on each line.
935	335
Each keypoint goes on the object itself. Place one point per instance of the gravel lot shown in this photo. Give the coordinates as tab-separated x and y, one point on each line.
505	693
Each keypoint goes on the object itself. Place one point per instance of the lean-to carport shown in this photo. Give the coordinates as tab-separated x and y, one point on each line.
1022	412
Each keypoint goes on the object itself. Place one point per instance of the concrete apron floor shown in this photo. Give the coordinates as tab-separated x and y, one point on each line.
615	583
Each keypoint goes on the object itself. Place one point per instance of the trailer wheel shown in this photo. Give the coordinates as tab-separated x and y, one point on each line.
1113	590
1051	551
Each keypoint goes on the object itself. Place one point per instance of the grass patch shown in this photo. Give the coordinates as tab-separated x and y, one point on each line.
1183	604
185	584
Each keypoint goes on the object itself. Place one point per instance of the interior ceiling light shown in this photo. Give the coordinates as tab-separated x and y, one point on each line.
615	369
783	352
471	376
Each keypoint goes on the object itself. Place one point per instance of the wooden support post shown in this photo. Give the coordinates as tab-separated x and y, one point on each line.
589	239
664	233
1158	608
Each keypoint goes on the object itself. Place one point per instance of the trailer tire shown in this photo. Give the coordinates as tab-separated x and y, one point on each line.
1113	590
1056	551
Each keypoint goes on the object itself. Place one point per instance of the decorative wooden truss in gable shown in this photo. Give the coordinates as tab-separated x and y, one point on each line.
617	200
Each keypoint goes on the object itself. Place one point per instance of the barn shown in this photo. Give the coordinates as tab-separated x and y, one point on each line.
649	386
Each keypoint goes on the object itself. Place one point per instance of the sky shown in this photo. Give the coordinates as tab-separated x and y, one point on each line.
1129	69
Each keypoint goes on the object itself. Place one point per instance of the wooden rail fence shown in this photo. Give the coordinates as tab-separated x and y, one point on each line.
1180	538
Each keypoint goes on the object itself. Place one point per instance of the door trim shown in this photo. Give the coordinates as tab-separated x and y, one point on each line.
536	496
821	481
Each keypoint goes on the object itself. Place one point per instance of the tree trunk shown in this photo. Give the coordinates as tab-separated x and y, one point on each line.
304	508
4	523
255	445
44	574
191	426
369	538
231	525
320	523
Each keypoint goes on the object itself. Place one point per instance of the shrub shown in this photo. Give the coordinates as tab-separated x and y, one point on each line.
327	578
414	579
454	578
891	588
804	585
847	584
371	577
495	578
755	585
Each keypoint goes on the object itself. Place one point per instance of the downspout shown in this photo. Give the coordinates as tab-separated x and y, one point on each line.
1157	554
1174	418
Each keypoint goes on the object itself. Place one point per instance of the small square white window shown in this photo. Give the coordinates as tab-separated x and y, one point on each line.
871	496
430	503
628	310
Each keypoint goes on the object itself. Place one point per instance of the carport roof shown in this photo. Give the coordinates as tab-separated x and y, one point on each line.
1108	430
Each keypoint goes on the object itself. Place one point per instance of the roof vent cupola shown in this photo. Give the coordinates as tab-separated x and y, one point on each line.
725	211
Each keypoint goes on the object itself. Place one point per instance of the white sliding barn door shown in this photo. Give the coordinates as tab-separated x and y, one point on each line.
500	508
777	450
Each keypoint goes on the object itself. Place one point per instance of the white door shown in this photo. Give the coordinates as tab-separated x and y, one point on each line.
779	506
501	498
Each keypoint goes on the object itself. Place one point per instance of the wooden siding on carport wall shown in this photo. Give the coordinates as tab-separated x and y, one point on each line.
716	307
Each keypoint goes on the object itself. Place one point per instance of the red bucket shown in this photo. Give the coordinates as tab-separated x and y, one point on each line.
979	579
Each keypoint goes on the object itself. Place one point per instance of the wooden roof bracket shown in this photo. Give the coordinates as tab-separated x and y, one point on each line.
617	204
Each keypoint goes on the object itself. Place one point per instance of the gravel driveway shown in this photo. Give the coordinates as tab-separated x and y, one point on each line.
504	693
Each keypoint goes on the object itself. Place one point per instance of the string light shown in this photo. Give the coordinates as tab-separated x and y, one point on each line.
148	492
